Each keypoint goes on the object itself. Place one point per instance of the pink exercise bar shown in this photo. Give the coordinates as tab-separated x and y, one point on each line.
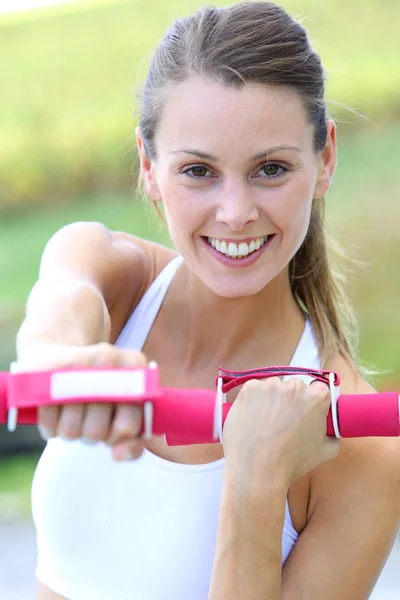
184	416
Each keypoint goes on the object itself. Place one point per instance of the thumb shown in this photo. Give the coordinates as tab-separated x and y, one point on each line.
128	450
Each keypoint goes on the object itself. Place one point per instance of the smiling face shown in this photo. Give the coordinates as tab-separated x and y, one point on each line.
234	166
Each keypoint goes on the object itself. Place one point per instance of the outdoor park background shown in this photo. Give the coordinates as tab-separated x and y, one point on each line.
67	153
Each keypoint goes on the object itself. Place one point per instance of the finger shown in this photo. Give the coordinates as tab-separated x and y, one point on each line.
70	421
97	422
319	385
132	358
128	450
105	354
126	424
321	390
47	421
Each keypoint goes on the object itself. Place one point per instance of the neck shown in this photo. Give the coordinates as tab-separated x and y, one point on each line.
235	331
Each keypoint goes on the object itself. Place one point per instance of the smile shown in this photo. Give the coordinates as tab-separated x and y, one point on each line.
240	250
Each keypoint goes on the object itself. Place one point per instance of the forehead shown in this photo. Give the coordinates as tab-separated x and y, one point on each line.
205	114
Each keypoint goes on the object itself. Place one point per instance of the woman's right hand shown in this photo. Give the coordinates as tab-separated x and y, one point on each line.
117	425
278	429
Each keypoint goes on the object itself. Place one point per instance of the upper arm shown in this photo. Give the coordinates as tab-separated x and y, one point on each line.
354	517
88	252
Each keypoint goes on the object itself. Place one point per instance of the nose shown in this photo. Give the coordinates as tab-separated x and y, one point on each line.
236	207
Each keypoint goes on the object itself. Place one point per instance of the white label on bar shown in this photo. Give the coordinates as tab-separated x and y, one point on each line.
76	384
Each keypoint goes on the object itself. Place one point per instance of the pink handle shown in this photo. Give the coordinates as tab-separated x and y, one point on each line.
368	415
186	416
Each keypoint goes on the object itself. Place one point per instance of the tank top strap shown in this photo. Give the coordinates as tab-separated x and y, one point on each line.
306	353
137	328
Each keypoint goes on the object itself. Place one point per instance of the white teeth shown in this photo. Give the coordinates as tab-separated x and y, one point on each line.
232	249
243	249
237	251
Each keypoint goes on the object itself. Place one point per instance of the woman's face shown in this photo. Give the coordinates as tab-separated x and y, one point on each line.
234	166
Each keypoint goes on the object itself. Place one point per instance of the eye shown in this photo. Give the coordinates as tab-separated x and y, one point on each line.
197	172
274	169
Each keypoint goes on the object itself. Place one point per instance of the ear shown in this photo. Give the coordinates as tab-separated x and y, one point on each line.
327	162
147	169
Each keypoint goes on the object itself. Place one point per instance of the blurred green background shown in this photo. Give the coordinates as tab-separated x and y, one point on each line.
67	149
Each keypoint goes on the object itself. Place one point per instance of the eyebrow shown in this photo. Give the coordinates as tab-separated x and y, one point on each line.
258	156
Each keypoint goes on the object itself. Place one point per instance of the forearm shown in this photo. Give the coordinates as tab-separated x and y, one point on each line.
73	312
248	555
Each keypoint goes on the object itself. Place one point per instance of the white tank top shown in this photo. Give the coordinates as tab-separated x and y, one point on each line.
136	530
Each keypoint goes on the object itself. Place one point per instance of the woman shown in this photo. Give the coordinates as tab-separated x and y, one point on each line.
235	142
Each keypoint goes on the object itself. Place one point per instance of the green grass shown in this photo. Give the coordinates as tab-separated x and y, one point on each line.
67	91
16	476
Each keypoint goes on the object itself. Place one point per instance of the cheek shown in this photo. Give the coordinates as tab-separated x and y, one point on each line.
292	218
291	211
185	216
185	211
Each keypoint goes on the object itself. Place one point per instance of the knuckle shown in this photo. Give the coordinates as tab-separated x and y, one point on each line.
252	385
139	358
296	385
273	383
103	346
133	358
105	354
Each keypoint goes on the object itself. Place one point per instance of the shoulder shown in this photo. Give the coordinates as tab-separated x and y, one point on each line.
154	256
144	260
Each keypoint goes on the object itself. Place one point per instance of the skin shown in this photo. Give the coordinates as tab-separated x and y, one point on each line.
232	197
232	312
236	200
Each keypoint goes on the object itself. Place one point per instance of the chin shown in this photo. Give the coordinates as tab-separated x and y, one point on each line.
225	287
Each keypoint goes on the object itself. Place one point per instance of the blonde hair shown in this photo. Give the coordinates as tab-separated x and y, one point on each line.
258	42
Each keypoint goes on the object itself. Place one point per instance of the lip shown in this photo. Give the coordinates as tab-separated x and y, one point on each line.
235	263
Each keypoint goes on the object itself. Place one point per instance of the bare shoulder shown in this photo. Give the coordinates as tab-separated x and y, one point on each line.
157	255
108	259
152	258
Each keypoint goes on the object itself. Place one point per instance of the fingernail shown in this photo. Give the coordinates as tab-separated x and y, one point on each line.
88	441
44	433
66	438
125	455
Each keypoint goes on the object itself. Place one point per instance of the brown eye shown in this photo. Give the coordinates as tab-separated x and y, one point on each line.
198	171
273	169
